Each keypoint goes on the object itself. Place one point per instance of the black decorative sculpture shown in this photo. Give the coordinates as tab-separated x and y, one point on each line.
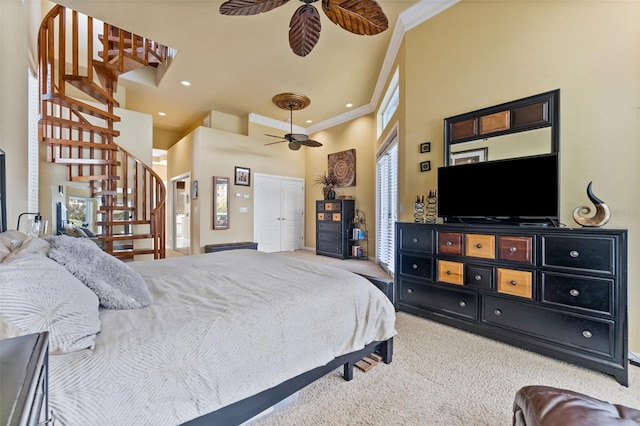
601	217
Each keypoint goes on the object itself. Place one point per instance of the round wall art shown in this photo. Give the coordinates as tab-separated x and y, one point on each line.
342	167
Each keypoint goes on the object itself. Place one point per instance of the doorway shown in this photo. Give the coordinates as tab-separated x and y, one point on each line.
181	213
278	221
387	203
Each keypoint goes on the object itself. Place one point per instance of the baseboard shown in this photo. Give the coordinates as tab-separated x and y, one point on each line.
634	359
309	248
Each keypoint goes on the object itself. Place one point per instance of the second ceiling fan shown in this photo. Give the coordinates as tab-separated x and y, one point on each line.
293	101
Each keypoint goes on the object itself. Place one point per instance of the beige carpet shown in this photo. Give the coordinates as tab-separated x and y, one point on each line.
442	376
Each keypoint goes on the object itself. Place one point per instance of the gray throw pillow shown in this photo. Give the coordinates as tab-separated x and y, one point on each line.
116	284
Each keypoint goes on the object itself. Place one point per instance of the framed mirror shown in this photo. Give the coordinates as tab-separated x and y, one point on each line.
220	202
521	128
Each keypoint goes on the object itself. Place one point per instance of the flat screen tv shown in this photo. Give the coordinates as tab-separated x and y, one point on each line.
519	191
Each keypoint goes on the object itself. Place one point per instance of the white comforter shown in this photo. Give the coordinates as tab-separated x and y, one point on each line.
222	327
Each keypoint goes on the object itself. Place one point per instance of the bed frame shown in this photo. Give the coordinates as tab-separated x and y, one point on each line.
245	409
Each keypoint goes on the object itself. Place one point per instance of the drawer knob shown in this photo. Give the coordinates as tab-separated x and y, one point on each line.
448	243
513	249
574	292
463	303
448	272
414	266
574	253
478	277
479	246
409	290
415	240
587	334
497	312
513	282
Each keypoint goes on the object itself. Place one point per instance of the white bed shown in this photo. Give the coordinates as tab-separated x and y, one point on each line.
221	327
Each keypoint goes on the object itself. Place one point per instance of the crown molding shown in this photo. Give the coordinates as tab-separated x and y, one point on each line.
408	19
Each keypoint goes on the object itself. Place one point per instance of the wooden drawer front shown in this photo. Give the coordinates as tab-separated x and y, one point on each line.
416	239
561	328
464	129
495	122
478	276
329	227
450	272
591	294
515	283
449	243
479	245
586	253
330	247
321	216
336	217
455	302
416	266
516	249
331	207
330	237
531	114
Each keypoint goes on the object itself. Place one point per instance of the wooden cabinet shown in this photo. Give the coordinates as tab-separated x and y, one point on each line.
557	291
333	229
24	370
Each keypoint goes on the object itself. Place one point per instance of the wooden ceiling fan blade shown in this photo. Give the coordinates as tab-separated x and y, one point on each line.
311	143
304	30
249	7
363	17
296	136
273	143
274	136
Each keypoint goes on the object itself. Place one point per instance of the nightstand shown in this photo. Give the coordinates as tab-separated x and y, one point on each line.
24	375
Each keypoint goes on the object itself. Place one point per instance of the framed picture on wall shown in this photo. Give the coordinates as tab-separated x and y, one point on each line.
470	156
242	176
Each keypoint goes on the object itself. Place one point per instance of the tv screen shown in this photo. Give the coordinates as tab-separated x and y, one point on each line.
520	190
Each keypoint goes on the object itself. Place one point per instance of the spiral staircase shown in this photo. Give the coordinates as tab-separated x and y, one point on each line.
80	134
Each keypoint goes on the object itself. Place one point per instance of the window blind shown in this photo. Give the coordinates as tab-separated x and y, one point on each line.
387	196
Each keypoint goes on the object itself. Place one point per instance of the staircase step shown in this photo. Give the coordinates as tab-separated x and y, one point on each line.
116	208
90	178
90	88
128	253
76	105
70	143
116	39
127	237
55	121
124	222
86	161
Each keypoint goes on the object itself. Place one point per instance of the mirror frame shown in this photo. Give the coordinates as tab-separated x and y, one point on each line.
532	112
220	221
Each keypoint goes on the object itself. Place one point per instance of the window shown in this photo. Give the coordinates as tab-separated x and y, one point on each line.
33	157
387	196
389	103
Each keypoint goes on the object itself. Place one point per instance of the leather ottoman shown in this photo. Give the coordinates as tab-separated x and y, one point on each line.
548	406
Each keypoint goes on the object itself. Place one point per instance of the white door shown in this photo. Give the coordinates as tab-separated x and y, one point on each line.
181	208
387	204
278	213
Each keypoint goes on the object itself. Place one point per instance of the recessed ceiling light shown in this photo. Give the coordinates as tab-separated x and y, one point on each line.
309	121
162	113
185	83
349	105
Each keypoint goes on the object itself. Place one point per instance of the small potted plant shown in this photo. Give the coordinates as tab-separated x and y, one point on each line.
327	183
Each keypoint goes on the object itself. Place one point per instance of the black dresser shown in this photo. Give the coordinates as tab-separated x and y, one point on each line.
560	292
333	218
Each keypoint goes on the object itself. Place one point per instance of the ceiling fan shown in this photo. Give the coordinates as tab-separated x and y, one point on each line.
363	17
293	101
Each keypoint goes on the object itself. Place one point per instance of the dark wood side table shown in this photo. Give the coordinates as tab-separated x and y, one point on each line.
24	376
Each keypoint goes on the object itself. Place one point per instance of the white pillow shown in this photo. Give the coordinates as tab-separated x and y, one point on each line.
37	294
9	241
113	281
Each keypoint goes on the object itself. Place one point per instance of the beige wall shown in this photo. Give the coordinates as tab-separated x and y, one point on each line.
357	134
477	54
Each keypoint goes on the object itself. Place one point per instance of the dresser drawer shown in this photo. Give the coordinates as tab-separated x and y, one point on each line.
585	253
515	249
329	227
452	301
480	245
450	272
589	294
515	283
416	266
330	237
330	247
416	238
450	243
479	277
560	328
